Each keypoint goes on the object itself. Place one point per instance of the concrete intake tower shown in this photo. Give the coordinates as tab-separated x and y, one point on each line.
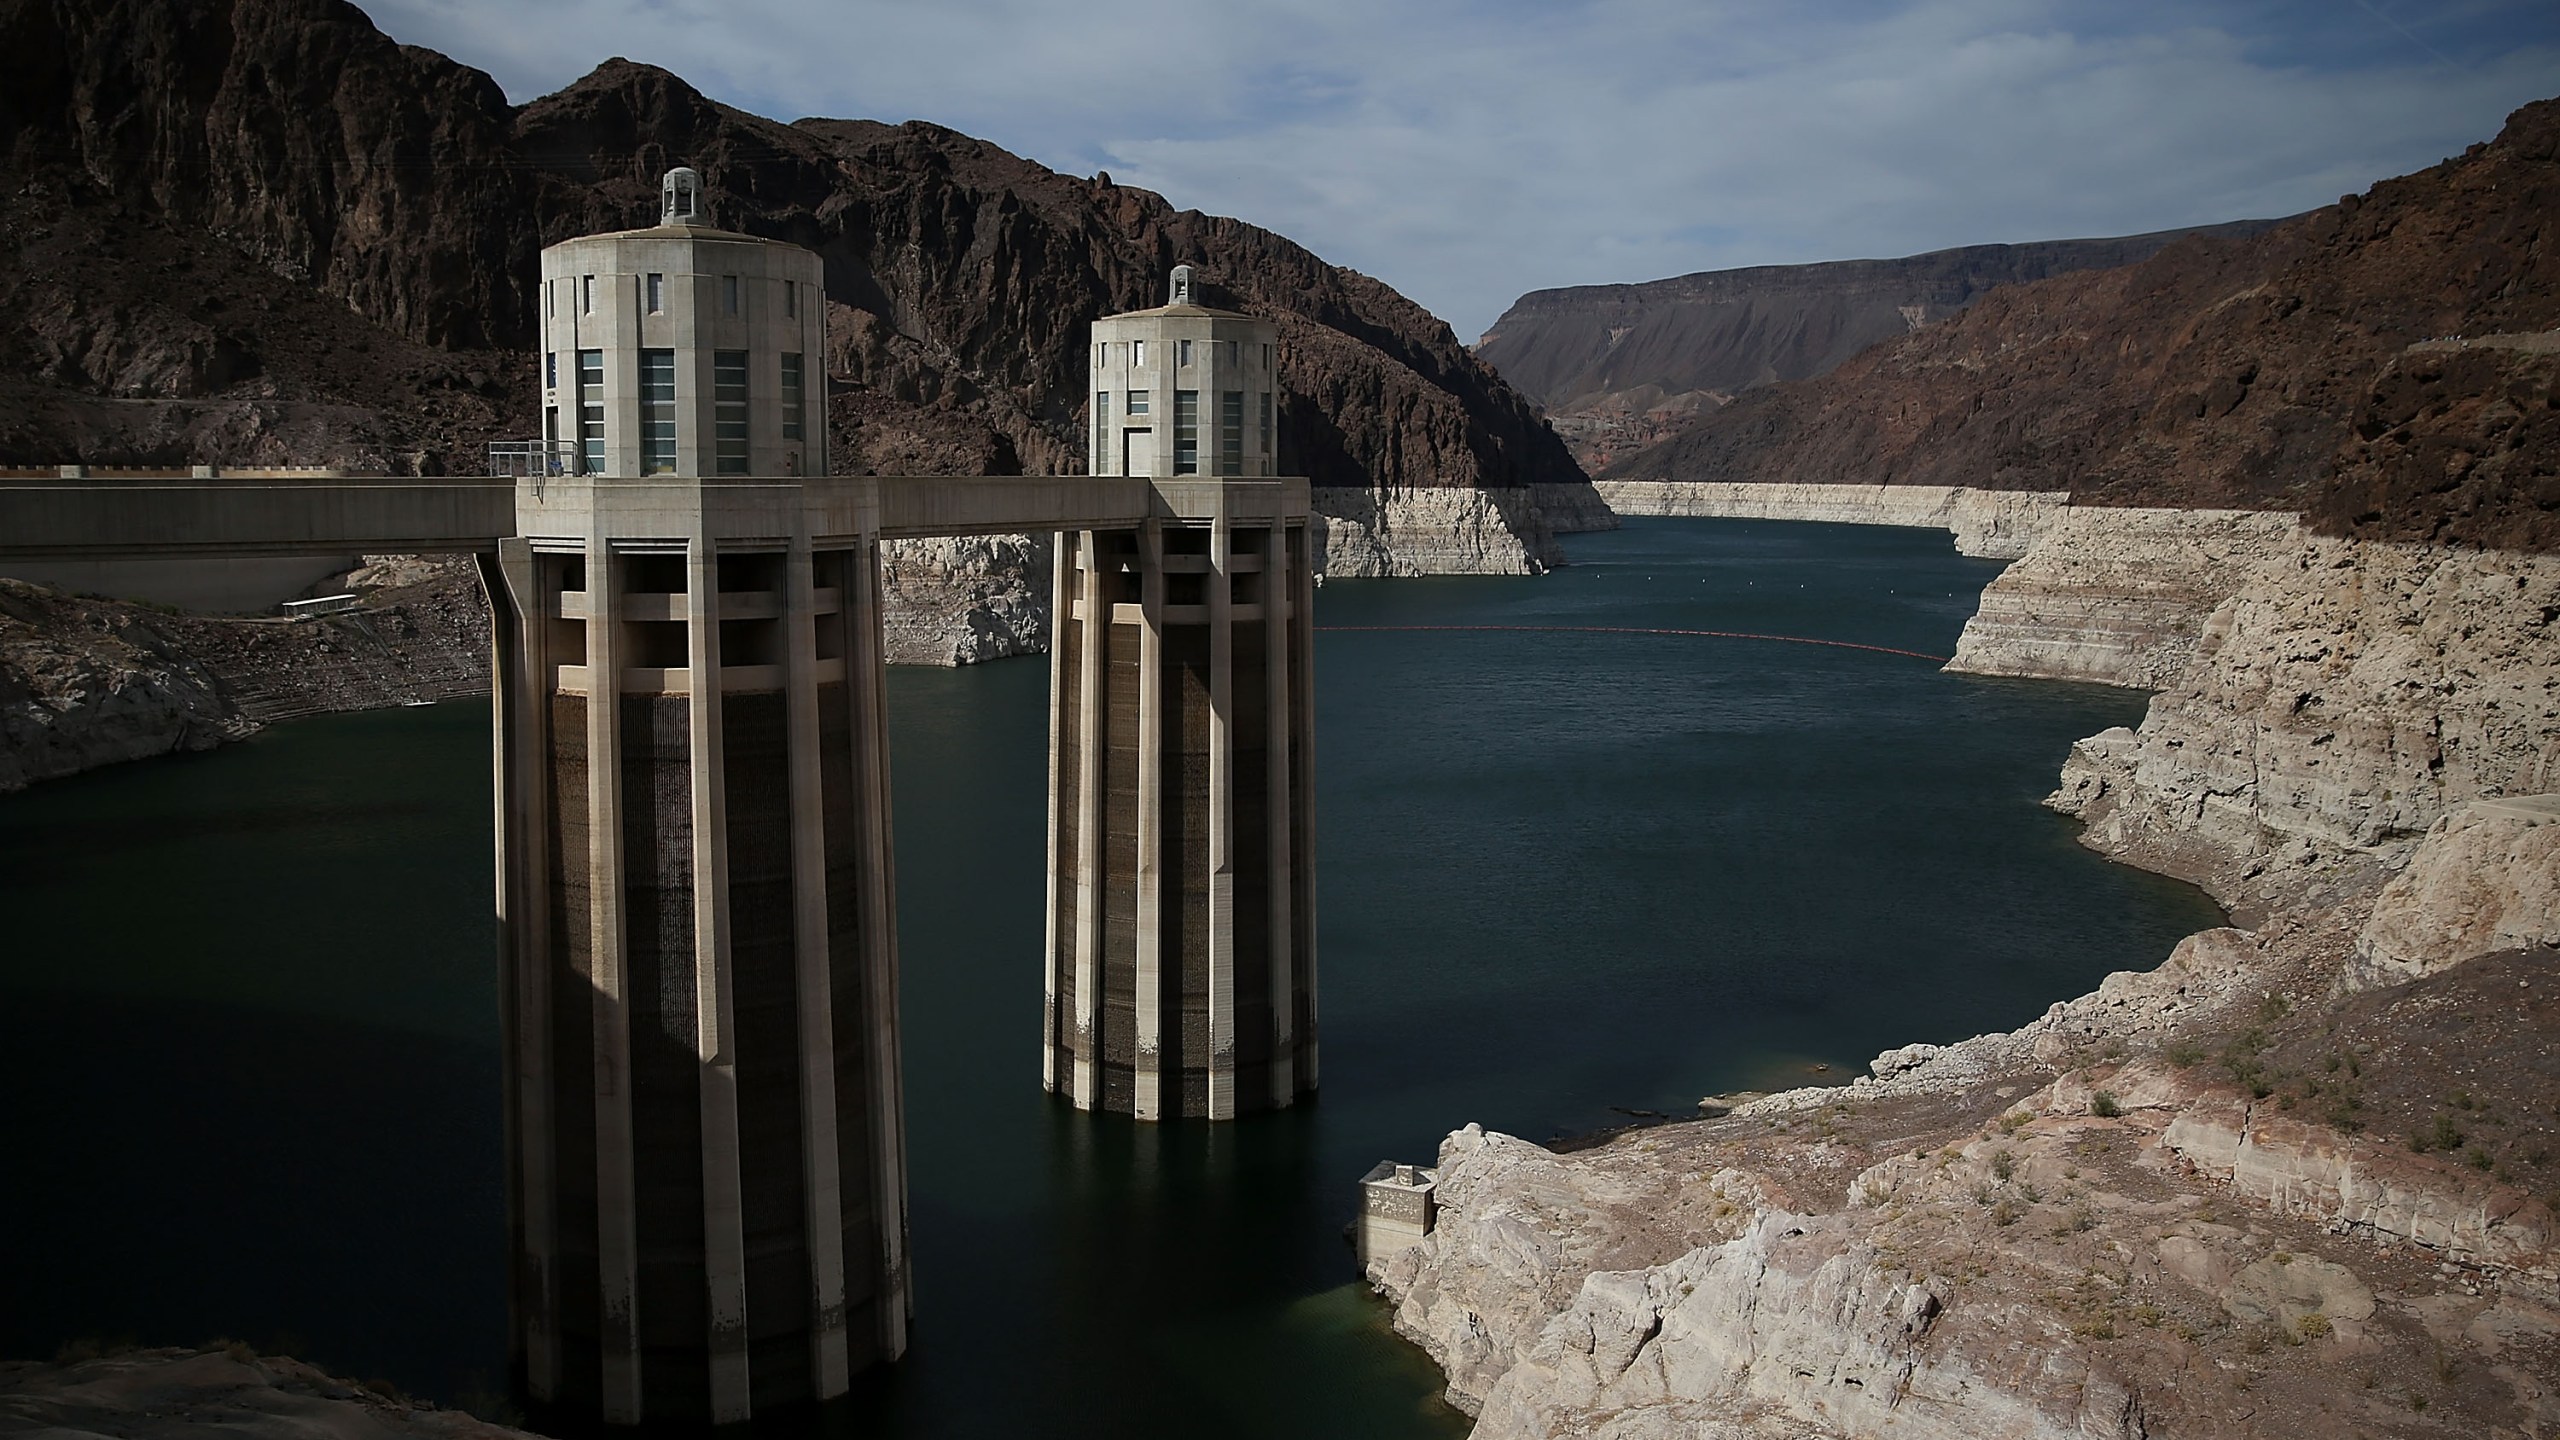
1181	978
707	1159
698	954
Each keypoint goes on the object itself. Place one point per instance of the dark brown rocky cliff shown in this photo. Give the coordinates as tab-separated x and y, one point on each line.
1620	366
2287	370
260	230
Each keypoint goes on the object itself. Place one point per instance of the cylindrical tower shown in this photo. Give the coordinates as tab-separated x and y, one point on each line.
1181	953
706	1168
1184	390
684	350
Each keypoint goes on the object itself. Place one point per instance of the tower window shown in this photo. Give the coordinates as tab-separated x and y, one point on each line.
550	369
1138	352
793	402
790	297
590	412
586	294
1232	347
1266	357
1231	432
728	294
1101	429
657	412
1181	352
1137	403
1186	432
729	412
1266	422
657	293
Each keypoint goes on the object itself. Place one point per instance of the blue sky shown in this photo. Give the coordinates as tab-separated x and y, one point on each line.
1468	152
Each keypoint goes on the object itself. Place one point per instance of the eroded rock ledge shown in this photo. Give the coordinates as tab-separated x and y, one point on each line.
2298	1180
1993	524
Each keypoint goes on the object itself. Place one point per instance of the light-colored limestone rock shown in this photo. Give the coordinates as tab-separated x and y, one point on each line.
963	599
82	686
1430	531
1573	508
2344	700
2282	1289
2485	878
1801	1321
1992	524
2114	596
2293	1168
1518	1229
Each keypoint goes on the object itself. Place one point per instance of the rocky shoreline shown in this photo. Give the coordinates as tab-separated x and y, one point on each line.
2298	1179
87	681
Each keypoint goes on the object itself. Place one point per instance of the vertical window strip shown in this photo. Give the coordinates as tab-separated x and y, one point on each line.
793	411
657	292
1101	432
1231	432
590	412
729	412
1266	422
729	294
1186	432
657	412
790	298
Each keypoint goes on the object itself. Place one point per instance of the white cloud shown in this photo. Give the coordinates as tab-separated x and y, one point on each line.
1467	152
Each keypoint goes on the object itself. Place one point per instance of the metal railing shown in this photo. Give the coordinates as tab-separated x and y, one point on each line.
519	459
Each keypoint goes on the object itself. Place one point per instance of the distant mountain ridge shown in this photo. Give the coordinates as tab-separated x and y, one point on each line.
261	231
2385	365
1619	366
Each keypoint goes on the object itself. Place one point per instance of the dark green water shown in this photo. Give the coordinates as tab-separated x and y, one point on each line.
248	1032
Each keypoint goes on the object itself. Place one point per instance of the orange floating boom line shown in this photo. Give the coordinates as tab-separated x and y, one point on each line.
1638	630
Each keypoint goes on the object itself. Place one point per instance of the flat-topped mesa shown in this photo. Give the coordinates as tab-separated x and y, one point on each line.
1181	974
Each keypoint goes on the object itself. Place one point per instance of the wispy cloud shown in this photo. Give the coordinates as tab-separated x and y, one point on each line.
1466	151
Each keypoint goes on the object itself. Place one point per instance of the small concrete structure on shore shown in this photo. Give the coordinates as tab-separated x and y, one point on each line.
1396	1209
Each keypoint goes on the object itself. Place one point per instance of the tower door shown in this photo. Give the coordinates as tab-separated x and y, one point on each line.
1138	451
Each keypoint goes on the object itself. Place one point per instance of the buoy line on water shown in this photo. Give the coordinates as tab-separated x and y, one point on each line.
1641	630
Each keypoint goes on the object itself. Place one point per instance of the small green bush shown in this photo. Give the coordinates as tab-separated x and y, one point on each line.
2104	1106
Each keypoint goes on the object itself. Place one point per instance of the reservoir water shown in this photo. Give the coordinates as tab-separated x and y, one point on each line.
248	1022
